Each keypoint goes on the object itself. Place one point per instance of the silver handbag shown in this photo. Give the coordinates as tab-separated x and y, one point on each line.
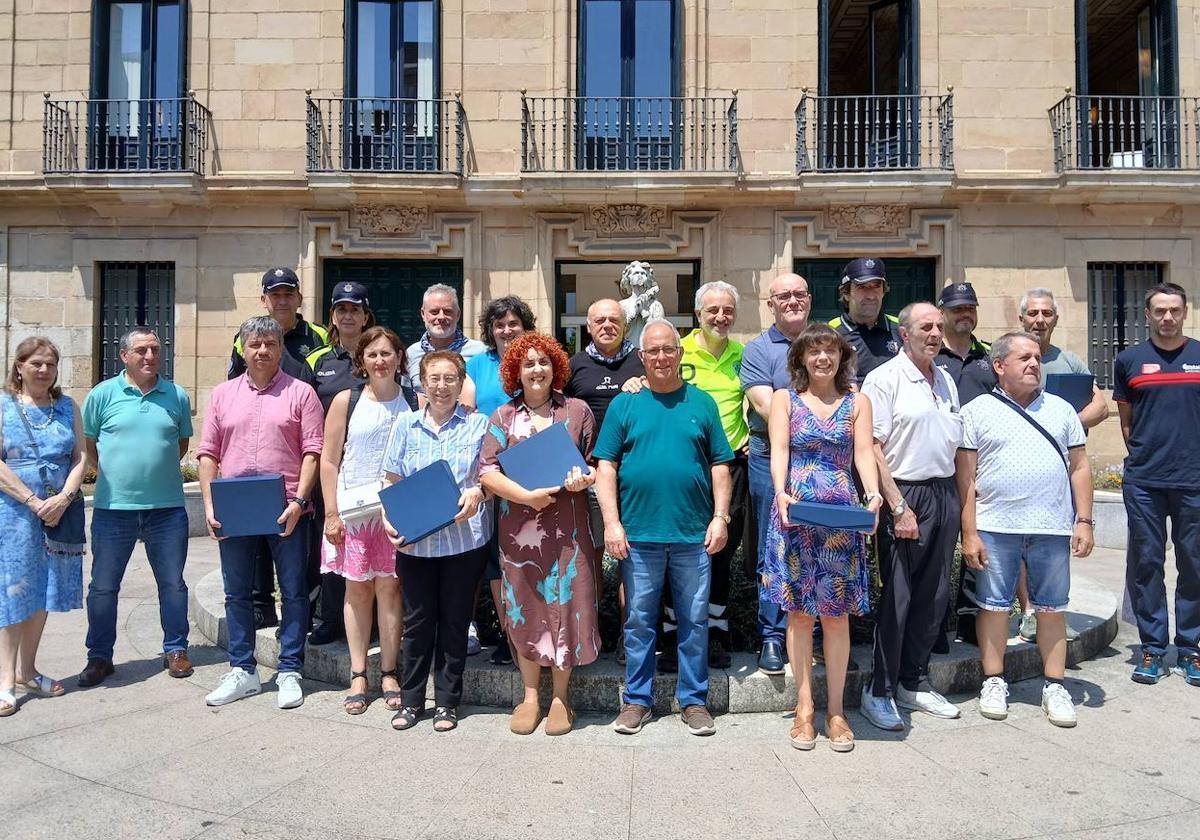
359	501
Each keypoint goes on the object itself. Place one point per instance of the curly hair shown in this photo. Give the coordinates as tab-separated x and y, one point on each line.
369	337
514	357
500	307
821	335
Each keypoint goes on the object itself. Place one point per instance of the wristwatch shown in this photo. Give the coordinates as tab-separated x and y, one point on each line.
300	500
899	509
724	517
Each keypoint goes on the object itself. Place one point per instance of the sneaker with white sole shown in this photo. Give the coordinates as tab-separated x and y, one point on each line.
291	694
929	702
993	698
881	712
1058	705
235	685
473	645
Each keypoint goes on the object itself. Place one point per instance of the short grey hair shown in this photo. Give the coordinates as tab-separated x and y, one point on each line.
128	338
654	322
1003	345
905	316
259	325
441	289
716	286
1038	293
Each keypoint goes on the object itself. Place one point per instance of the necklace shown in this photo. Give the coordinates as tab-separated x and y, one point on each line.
32	425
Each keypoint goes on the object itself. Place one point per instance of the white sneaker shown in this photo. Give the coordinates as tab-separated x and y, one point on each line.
929	702
288	685
993	698
235	685
1058	706
881	711
473	646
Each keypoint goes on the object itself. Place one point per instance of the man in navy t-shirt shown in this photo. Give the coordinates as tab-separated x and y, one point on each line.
1157	390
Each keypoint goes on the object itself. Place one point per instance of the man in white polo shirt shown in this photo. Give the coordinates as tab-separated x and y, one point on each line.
917	433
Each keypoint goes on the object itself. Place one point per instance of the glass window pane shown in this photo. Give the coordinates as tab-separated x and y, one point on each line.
602	48
167	81
374	61
652	48
418	49
124	68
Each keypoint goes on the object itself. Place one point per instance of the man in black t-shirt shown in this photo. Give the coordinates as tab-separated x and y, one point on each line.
1157	391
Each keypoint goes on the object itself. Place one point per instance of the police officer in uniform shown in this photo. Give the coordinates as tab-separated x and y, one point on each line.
964	356
874	336
281	299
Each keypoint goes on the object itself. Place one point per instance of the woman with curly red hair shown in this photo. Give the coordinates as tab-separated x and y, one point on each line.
547	557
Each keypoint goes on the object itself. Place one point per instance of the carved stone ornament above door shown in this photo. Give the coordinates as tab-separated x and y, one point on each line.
627	219
403	219
868	219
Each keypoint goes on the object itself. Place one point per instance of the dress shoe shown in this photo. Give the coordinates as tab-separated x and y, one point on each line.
95	672
326	634
770	661
177	664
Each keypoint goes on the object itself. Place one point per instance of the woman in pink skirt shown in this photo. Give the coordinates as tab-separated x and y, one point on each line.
356	547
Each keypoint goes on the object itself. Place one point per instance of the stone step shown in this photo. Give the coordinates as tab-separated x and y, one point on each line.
739	688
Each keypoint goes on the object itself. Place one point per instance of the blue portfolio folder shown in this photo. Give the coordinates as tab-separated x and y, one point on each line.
249	506
422	503
1075	388
840	517
544	459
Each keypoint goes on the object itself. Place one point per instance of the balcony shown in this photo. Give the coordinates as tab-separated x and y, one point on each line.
124	135
629	134
1126	132
874	133
384	135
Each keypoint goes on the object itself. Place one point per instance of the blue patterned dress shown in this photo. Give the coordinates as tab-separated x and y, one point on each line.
818	571
33	578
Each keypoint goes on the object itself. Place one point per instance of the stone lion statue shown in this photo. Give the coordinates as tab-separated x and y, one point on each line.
641	305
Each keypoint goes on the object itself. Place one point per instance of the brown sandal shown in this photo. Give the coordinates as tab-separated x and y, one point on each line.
525	719
803	734
839	733
561	718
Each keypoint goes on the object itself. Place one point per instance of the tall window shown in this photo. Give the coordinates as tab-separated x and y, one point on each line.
392	76
136	294
1116	312
628	75
138	84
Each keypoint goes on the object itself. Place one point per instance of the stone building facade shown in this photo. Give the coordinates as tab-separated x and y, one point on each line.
533	146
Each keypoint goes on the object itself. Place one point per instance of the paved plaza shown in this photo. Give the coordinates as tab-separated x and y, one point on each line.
142	757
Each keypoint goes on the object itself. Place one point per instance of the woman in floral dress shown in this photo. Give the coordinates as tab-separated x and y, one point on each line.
817	429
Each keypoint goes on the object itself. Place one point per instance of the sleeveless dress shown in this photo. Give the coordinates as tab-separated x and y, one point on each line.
365	553
32	576
818	571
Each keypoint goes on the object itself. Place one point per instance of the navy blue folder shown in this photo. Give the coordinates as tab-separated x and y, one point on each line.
840	517
422	503
544	459
249	506
1075	388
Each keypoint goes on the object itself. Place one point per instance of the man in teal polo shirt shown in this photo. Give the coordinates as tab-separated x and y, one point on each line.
137	426
663	488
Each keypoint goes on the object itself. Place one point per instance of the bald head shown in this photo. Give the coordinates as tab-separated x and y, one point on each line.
606	325
790	302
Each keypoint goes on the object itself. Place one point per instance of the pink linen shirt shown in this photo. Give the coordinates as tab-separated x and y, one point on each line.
253	432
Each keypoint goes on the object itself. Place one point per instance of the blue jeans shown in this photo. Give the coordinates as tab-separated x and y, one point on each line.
1047	559
290	555
164	531
643	573
1147	510
772	620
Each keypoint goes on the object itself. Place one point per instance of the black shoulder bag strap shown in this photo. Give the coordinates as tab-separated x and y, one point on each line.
1041	431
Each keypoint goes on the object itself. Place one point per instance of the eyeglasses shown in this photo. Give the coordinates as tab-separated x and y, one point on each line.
784	297
667	352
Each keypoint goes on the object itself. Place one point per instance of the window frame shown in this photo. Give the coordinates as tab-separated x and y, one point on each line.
101	21
629	40
396	38
165	331
1125	299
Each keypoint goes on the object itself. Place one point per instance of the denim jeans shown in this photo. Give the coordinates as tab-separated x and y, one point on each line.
772	620
290	555
1047	560
164	531
643	572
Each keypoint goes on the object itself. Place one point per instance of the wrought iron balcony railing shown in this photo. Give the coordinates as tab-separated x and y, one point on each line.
1126	132
629	134
874	133
384	135
124	135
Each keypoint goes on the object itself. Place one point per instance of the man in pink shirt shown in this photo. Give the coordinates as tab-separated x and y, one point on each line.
263	421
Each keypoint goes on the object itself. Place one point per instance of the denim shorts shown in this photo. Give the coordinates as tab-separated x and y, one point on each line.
1047	559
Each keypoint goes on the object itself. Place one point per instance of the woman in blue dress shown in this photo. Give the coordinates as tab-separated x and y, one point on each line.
818	428
41	469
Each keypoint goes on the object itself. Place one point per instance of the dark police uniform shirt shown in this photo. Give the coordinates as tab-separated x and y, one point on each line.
1162	387
973	375
597	383
333	368
299	342
872	345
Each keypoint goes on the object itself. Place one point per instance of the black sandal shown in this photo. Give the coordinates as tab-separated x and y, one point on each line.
356	704
445	714
406	717
390	698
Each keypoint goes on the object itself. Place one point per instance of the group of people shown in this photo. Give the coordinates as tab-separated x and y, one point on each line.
689	440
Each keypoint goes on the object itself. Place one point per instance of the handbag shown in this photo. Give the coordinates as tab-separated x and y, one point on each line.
359	501
70	528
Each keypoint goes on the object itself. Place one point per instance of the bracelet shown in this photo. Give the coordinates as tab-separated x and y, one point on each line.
27	498
1082	520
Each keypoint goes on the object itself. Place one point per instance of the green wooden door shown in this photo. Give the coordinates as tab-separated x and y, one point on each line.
908	280
395	288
